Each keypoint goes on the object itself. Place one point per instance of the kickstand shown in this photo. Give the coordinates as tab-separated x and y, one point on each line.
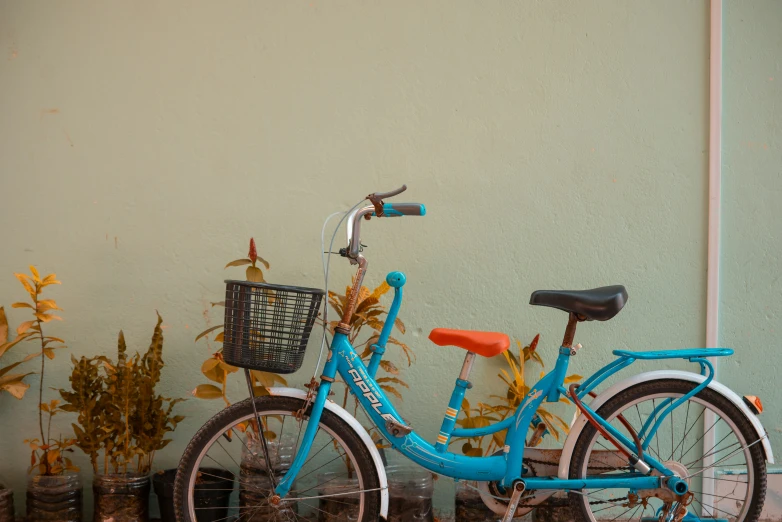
258	423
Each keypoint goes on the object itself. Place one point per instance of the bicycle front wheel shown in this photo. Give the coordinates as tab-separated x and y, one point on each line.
727	480
223	475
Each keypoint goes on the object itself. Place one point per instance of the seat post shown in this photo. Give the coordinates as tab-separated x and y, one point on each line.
467	366
455	404
570	331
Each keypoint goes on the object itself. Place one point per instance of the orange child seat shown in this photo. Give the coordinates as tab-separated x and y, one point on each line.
487	344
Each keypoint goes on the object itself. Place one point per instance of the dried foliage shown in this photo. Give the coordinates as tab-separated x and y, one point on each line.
215	368
49	458
368	315
12	383
517	391
119	412
47	454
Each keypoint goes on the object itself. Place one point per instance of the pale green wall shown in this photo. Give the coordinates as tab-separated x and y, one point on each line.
751	278
556	144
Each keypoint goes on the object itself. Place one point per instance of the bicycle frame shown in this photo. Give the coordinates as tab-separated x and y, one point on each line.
506	467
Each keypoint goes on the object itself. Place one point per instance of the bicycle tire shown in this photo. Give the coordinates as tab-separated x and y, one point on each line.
633	395
228	417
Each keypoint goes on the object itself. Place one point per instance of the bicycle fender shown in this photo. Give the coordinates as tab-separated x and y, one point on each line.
340	412
579	422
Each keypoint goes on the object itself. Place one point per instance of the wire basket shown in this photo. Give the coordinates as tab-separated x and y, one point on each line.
267	326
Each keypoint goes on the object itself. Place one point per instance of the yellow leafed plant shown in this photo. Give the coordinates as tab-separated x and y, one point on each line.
369	315
119	410
517	390
47	454
215	369
12	383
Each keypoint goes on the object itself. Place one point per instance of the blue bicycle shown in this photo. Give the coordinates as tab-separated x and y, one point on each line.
658	446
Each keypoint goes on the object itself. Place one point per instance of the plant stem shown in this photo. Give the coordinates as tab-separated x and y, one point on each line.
44	441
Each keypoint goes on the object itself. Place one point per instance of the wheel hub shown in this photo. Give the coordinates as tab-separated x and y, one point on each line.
675	505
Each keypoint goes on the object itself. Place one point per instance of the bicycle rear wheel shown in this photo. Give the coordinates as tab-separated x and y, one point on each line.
337	482
739	484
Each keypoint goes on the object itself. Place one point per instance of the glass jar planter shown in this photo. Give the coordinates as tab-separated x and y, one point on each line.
54	498
211	497
410	492
121	497
6	504
255	483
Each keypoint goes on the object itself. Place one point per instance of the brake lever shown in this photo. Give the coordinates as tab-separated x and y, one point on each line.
377	198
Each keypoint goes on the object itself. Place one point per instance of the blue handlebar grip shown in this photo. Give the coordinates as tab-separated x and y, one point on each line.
403	209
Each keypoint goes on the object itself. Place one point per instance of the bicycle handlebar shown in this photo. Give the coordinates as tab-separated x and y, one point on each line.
402	209
378	209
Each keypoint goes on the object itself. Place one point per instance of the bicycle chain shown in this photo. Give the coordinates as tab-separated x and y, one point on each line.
529	462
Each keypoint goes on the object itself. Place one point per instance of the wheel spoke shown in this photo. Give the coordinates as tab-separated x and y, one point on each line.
731	449
323	474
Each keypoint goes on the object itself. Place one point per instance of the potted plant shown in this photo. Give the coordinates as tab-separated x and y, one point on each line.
6	504
121	416
54	491
216	370
469	506
14	385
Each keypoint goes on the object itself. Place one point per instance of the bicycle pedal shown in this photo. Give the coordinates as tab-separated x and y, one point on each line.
397	429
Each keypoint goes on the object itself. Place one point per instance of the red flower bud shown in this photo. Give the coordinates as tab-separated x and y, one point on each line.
253	255
534	343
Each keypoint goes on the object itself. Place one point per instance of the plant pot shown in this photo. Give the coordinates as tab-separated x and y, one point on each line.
212	494
253	501
54	498
410	492
122	497
343	508
555	509
255	482
470	506
6	505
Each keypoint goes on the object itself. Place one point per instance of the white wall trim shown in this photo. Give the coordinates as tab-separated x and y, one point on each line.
713	262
